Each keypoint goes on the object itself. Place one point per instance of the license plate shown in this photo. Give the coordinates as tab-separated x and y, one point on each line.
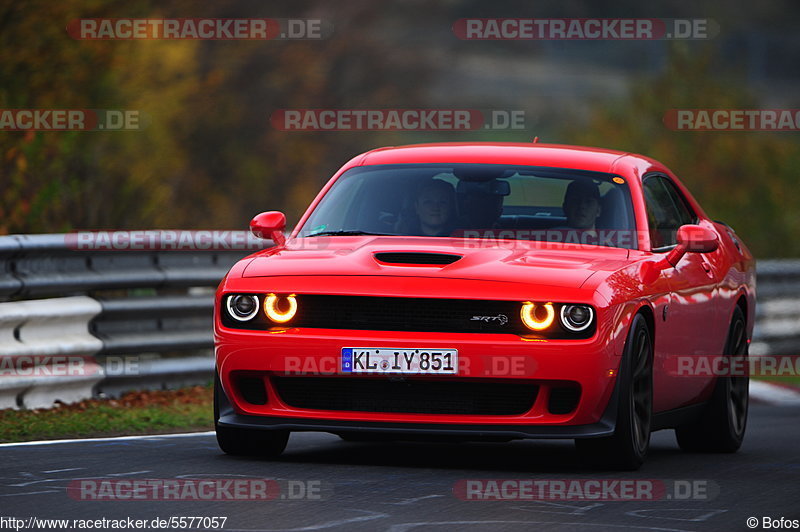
392	360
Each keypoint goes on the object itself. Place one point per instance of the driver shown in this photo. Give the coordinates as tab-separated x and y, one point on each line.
434	210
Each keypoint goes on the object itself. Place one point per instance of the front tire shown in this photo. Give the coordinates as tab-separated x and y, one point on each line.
626	449
722	426
246	442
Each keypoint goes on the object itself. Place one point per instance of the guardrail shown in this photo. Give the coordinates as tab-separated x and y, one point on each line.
777	329
142	319
81	323
49	331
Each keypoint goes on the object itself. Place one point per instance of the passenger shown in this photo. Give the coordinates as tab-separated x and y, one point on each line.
582	205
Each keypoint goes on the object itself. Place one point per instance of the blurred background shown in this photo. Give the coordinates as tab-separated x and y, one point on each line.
209	157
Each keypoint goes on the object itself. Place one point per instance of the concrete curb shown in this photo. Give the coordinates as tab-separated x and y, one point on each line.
774	394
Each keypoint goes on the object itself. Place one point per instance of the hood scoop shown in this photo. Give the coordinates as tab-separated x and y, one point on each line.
406	258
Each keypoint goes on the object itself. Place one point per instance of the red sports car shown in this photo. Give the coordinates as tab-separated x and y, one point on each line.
489	291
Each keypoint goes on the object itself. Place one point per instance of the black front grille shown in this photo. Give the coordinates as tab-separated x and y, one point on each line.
377	313
408	314
410	397
417	258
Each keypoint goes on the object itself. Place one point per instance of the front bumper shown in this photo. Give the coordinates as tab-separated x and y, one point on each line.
589	365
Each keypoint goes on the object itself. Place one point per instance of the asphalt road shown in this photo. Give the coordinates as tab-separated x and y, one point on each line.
409	486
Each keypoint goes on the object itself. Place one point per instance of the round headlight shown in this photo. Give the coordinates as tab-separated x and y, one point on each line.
576	317
242	307
280	310
537	317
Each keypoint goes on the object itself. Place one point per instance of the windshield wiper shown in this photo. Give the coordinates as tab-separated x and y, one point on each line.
348	233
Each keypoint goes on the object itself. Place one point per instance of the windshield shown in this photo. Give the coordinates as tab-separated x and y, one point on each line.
477	201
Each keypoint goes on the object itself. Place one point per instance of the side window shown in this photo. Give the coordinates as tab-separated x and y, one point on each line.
666	211
685	212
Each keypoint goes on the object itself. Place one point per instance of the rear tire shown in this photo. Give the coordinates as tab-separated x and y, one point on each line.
626	449
722	425
246	442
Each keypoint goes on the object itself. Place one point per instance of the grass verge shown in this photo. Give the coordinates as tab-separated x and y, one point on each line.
184	410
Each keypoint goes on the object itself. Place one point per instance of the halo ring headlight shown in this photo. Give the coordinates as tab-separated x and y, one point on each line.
242	307
534	322
576	318
275	313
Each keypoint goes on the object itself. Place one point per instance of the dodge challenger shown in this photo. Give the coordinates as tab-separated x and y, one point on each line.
489	291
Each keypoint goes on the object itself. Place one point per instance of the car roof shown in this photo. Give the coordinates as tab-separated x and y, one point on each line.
529	154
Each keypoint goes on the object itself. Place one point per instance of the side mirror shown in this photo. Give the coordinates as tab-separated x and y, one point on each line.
693	239
269	225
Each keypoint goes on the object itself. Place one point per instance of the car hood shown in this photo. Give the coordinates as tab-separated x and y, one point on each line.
510	261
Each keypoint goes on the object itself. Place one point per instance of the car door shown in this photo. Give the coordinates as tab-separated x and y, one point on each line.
689	322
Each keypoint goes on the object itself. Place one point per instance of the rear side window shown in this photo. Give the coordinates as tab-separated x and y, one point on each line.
667	210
